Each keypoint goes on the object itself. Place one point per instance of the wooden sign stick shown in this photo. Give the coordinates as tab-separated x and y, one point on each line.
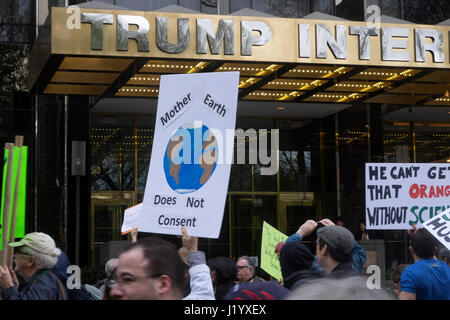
18	143
7	206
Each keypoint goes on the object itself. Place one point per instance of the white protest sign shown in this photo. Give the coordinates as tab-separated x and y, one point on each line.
401	194
190	164
439	226
130	218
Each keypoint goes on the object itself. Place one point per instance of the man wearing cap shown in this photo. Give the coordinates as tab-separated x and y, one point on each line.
34	257
334	251
358	253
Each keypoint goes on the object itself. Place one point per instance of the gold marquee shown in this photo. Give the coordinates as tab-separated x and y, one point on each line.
274	67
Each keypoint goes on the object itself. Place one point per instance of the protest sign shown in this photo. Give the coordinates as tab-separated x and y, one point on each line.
190	162
13	191
439	226
130	218
269	260
399	195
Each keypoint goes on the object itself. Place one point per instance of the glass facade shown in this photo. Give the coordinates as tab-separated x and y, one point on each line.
308	184
320	170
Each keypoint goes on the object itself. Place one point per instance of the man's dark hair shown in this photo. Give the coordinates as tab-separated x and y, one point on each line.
424	244
225	269
163	259
335	254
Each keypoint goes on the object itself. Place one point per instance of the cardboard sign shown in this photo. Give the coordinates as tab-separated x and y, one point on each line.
439	226
190	164
21	196
401	194
130	218
269	260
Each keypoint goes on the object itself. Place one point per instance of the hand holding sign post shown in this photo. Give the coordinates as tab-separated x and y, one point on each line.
130	218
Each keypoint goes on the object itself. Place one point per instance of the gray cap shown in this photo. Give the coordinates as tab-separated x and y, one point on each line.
337	237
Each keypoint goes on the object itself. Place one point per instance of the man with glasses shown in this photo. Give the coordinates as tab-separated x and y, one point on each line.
149	269
152	269
246	269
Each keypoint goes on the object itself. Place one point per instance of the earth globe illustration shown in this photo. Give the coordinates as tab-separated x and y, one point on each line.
190	158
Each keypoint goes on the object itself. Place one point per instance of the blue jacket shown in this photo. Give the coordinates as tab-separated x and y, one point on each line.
358	253
43	285
60	269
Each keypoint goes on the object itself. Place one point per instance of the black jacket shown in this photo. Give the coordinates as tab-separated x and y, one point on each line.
298	278
343	270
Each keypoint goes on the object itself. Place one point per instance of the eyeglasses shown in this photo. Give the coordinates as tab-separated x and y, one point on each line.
128	279
241	267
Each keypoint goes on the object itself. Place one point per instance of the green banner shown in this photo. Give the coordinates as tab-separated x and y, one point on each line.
269	260
21	197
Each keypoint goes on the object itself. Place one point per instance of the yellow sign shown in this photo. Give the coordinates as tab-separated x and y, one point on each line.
269	260
258	39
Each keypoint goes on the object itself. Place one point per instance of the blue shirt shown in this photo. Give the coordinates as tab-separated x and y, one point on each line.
428	279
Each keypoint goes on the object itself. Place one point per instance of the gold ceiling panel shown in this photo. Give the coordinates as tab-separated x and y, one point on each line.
76	89
145	79
173	66
273	95
385	74
245	82
84	77
316	72
293	84
250	69
95	64
130	91
422	88
441	76
441	101
334	97
396	98
359	86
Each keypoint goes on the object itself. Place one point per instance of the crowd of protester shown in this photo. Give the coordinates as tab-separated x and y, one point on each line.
155	269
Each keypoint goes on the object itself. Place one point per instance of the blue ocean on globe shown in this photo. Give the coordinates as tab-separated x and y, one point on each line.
184	171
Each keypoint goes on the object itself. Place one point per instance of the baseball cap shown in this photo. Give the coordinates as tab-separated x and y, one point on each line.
39	242
337	237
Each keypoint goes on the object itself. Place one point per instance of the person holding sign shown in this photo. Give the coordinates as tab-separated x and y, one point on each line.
151	269
428	278
35	255
199	273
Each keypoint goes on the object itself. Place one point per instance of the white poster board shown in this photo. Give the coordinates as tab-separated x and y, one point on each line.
439	226
130	218
191	156
401	194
